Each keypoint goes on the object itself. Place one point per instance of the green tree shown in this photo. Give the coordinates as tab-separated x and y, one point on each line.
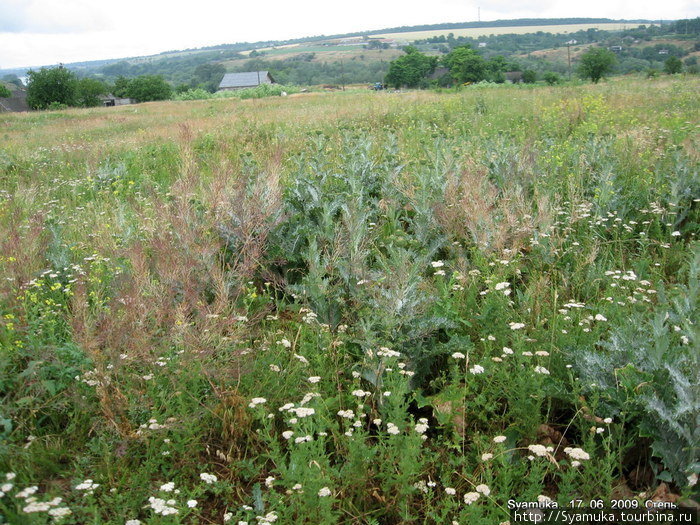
56	85
529	76
121	87
4	92
595	63
673	65
89	91
410	69
465	65
147	88
209	76
551	78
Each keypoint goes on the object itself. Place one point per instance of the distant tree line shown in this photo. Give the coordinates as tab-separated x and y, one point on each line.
58	87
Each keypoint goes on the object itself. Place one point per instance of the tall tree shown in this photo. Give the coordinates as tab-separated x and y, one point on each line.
88	92
465	65
596	63
56	85
149	87
410	69
673	65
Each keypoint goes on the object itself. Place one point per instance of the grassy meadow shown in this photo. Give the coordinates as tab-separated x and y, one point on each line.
356	307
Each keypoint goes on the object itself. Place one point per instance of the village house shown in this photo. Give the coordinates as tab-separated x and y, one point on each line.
233	81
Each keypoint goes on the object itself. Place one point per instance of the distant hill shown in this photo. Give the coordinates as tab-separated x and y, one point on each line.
364	57
248	46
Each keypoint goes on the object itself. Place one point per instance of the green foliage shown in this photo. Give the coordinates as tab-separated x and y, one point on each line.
551	78
466	65
47	86
88	92
673	65
121	87
529	76
344	308
148	88
596	63
410	69
4	91
261	91
208	76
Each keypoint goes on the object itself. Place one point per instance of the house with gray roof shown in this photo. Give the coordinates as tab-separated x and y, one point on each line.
250	79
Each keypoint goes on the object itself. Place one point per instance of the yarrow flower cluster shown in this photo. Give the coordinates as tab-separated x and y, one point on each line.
257	401
208	478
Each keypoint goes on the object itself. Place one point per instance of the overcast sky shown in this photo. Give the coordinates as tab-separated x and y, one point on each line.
46	32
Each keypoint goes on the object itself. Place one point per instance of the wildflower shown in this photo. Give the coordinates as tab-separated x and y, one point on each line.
208	478
577	453
477	369
349	414
325	491
301	358
386	352
608	420
450	491
422	426
676	234
501	286
541	370
538	450
439	272
486	456
507	350
516	326
360	393
25	493
499	439
302	439
600	317
484	489
287	434
692	479
543	499
314	379
269	481
684	339
542	353
275	368
303	411
471	497
285	343
192	503
392	429
437	264
458	355
167	487
256	401
133	522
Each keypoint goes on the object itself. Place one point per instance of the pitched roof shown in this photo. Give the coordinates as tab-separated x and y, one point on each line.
234	80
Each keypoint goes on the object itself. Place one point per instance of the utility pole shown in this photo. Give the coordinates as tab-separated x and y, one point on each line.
568	53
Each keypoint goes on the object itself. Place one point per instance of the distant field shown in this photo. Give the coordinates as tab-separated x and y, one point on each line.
519	30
